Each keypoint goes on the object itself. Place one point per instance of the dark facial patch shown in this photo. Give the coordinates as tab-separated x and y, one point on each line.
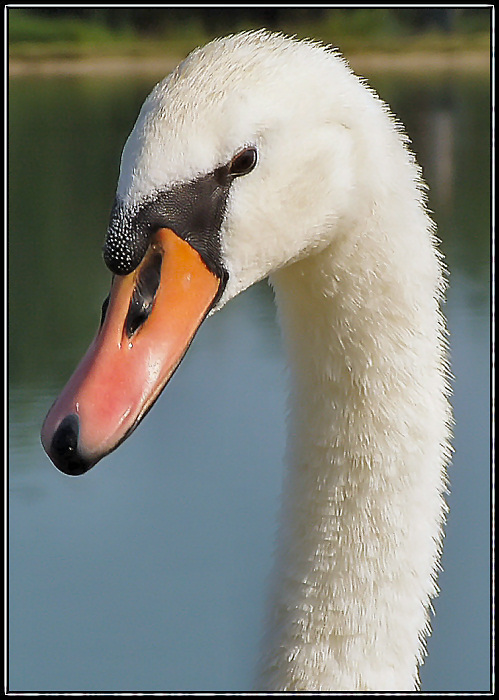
193	210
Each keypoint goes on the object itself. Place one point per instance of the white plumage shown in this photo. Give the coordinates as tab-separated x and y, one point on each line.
334	212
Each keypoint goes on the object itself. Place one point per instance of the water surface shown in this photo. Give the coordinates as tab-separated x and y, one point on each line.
149	573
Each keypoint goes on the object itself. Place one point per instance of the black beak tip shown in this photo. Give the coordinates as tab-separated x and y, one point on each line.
64	448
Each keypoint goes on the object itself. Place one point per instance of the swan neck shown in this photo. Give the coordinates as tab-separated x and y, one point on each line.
363	508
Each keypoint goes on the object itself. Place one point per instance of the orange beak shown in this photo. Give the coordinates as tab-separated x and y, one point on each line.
151	319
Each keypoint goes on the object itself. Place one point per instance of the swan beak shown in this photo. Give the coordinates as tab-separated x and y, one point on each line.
150	320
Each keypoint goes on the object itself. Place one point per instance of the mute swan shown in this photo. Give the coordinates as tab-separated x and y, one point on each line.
263	155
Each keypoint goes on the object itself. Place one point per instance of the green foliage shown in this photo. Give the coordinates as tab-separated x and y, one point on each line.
366	22
27	27
75	30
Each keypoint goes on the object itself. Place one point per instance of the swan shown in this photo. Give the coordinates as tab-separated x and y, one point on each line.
265	156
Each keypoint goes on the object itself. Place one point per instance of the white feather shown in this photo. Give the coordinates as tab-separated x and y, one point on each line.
335	213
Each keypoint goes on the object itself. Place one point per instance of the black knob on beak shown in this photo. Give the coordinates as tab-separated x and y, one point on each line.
64	447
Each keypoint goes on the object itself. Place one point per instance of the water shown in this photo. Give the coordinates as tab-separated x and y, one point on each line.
149	573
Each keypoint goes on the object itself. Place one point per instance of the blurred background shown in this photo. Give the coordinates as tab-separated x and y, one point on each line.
141	31
150	573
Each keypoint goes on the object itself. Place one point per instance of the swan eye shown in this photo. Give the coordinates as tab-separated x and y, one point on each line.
243	162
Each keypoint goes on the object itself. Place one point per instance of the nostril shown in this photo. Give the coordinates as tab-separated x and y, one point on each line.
64	447
144	293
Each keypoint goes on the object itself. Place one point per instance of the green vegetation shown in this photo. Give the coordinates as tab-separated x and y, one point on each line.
34	36
107	31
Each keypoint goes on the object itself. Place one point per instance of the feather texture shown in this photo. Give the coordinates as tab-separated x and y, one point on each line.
335	213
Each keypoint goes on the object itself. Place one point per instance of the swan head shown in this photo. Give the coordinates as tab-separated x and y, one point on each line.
242	161
254	115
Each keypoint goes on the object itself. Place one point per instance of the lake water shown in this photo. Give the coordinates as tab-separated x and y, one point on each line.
149	573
